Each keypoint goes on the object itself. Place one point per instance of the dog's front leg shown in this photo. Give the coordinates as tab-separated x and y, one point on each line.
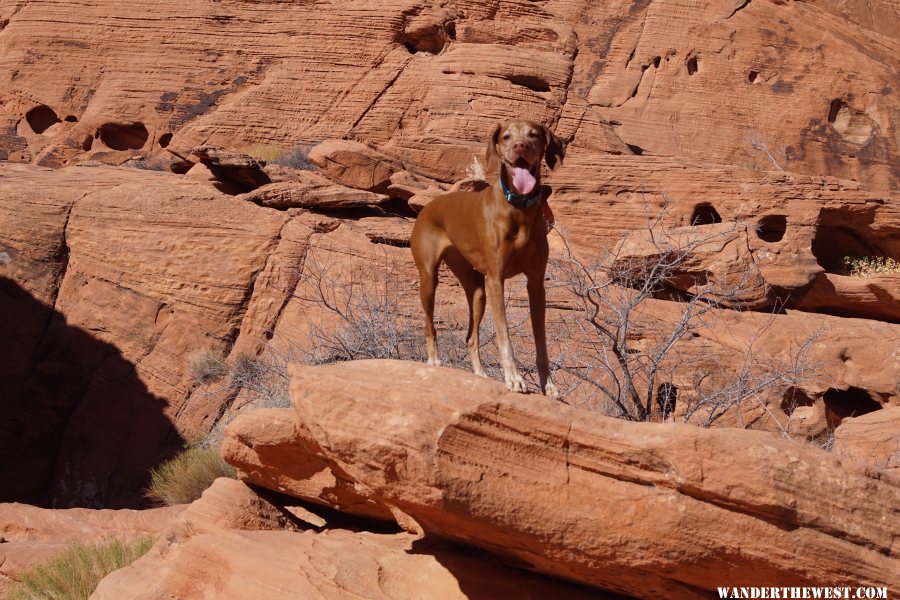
511	376
537	304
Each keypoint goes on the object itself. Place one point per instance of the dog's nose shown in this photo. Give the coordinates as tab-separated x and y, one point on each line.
519	146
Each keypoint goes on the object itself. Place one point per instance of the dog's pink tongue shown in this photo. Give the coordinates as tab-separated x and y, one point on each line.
523	181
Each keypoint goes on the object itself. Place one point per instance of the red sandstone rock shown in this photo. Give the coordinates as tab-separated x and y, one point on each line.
314	192
810	80
873	438
354	164
32	534
714	257
684	509
336	564
235	543
658	101
269	449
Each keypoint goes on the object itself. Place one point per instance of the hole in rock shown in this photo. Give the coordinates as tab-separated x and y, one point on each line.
164	140
832	243
692	65
666	396
656	61
705	214
753	76
771	228
852	402
835	109
87	143
120	136
535	84
793	398
431	38
41	118
71	119
635	149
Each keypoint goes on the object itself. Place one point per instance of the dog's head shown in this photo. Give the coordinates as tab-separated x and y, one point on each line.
518	147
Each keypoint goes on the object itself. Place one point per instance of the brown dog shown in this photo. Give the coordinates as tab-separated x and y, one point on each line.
489	236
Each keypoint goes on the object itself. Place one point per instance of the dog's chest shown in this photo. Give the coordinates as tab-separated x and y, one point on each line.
518	237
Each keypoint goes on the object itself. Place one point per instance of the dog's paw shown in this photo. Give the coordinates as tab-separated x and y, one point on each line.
434	362
515	383
550	391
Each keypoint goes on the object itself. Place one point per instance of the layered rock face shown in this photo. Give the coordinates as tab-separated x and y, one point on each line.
246	545
704	80
774	120
655	511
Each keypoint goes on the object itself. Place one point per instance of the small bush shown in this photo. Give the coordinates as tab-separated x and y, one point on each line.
208	365
296	158
183	478
868	266
74	573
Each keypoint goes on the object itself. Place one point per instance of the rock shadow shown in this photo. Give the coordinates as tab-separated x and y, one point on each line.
78	426
484	576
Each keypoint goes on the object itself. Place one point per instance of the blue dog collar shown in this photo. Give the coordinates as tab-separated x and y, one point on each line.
520	200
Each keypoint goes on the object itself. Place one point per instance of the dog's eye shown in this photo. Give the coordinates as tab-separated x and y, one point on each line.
505	136
532	133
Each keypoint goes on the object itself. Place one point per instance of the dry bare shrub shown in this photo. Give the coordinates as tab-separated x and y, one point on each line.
632	370
295	158
183	478
76	571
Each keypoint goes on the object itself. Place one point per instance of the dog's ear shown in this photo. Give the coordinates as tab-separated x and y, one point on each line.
555	150
491	158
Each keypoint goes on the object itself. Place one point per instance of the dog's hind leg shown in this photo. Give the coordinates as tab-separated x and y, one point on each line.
473	284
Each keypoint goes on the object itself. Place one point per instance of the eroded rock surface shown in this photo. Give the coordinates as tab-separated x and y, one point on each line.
234	543
649	510
31	535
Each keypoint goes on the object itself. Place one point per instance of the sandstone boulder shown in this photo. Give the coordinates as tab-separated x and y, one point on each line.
354	164
683	509
236	543
336	564
313	192
713	259
873	438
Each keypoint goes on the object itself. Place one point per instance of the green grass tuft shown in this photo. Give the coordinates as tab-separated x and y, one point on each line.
74	573
183	478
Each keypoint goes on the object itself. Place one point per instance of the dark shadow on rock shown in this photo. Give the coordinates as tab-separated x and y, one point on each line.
78	426
482	576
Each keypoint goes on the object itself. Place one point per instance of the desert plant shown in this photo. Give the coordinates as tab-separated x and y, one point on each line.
74	573
208	365
295	158
184	477
626	370
869	266
761	146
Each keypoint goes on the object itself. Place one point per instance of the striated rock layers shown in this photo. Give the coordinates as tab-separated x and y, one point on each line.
235	543
806	86
653	510
260	145
113	281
